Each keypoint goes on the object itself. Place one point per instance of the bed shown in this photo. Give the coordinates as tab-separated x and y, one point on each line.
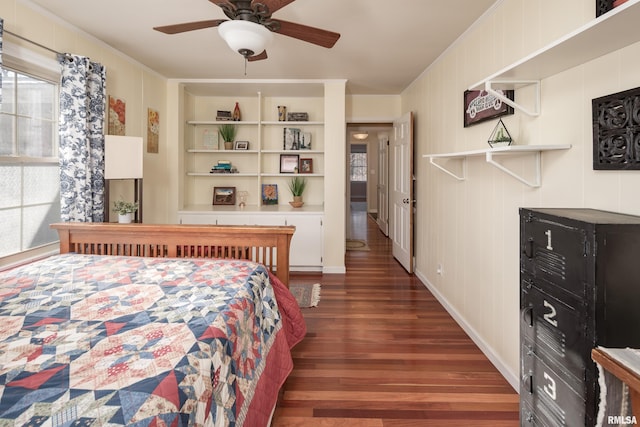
149	325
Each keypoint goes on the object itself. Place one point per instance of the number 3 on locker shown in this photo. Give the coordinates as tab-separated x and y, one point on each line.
550	386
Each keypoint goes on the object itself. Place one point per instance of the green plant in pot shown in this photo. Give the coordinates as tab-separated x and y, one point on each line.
297	186
228	134
125	210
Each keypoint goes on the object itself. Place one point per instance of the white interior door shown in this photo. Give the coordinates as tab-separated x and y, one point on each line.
382	184
401	194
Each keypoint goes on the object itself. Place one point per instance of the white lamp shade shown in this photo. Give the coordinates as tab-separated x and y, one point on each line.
245	35
122	157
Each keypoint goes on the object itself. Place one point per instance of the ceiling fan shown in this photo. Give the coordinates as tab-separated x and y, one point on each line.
249	28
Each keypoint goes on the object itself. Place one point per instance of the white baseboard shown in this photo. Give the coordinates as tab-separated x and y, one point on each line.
305	268
511	377
334	269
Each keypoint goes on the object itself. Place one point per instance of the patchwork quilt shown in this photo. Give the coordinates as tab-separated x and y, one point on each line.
107	340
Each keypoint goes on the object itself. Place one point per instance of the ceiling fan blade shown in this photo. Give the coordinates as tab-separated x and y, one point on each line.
258	57
313	35
189	26
274	5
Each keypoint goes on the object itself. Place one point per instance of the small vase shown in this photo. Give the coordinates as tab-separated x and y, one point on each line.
125	218
228	145
282	113
297	202
236	113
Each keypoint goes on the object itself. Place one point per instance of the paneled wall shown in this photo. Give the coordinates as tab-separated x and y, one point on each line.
470	227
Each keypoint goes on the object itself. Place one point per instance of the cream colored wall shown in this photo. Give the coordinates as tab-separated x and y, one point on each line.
334	184
471	227
140	87
372	108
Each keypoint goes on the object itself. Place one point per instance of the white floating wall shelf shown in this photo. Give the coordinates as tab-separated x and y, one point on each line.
490	157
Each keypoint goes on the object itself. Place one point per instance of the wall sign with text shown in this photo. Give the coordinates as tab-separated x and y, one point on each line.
479	106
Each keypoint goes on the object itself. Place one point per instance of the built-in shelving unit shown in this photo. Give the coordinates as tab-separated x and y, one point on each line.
261	163
197	103
611	31
490	156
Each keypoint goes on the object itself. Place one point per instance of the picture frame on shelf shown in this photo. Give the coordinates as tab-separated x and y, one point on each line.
224	195
291	139
210	140
289	163
306	165
269	194
241	145
305	141
480	106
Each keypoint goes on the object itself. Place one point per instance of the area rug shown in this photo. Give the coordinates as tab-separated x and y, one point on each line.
357	245
307	295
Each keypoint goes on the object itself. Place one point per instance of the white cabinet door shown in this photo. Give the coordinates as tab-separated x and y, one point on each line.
249	219
307	244
307	241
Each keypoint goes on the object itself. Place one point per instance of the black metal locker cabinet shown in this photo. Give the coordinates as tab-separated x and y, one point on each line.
579	288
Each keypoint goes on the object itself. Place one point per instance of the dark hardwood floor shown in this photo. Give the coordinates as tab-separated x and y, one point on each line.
382	352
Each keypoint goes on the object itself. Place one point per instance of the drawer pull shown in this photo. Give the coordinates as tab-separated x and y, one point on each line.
527	316
528	248
527	383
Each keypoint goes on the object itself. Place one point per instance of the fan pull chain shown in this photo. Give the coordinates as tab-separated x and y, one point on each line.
245	66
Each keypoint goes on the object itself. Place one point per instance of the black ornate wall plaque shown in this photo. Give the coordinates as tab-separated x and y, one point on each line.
603	6
616	131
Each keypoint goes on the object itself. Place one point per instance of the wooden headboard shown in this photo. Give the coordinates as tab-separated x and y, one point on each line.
268	245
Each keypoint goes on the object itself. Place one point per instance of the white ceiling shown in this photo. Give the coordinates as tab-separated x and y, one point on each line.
384	44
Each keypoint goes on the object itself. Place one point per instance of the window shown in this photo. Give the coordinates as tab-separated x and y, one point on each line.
29	177
358	162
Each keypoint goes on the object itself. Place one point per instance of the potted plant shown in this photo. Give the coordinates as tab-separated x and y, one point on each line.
297	186
228	134
125	210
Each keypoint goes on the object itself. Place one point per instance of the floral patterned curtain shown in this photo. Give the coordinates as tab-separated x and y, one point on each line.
81	127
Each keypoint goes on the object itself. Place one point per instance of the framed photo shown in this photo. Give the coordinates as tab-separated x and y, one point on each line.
305	141
269	194
241	145
291	139
306	165
224	195
289	163
210	139
479	106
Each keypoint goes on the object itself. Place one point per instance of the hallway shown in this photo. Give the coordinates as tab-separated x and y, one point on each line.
380	351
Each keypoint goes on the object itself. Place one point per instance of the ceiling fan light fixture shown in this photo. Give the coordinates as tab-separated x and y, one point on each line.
245	37
360	135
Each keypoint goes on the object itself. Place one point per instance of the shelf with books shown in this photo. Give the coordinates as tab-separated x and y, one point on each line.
267	140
